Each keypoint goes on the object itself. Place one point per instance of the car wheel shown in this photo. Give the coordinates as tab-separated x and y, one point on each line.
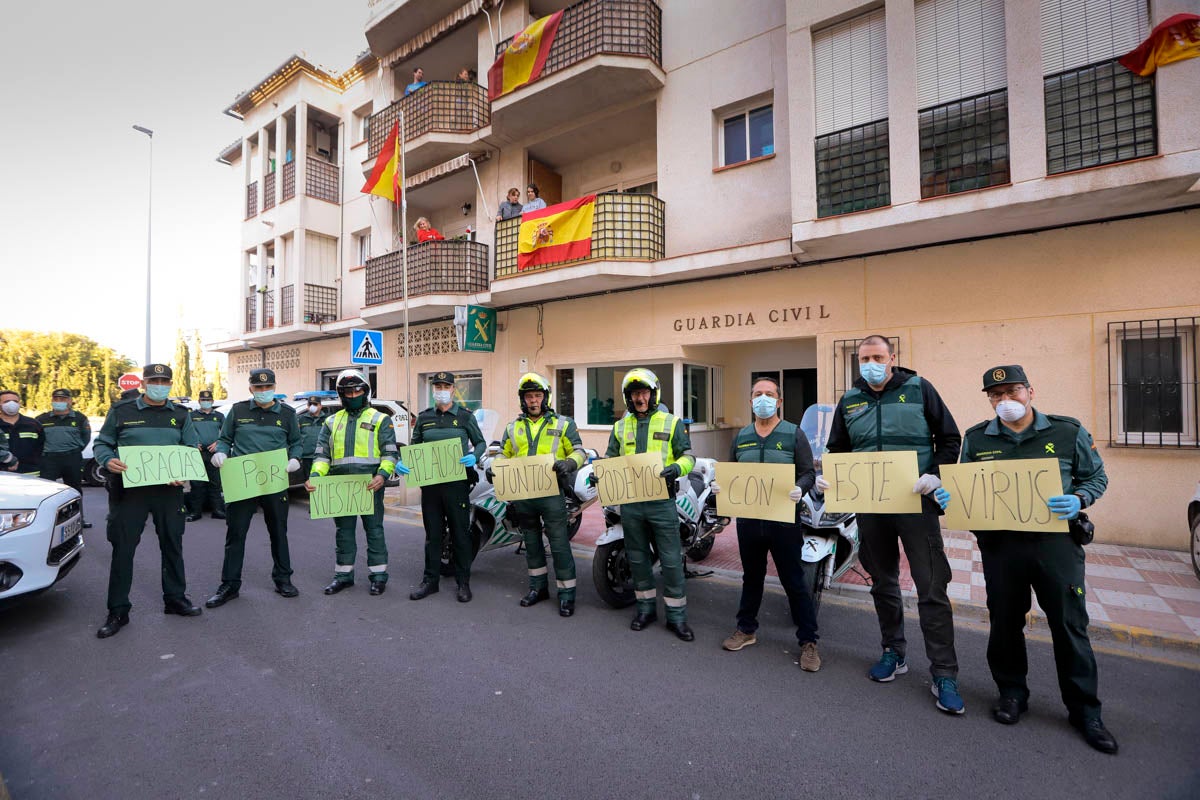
94	474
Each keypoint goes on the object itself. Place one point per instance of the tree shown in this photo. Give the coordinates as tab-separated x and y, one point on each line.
181	368
34	364
199	373
218	384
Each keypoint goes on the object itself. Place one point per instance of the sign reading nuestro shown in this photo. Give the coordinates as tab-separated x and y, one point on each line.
434	462
254	475
154	465
872	483
756	491
340	496
630	479
1003	495
524	478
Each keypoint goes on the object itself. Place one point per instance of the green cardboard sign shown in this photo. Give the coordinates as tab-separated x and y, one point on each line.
254	475
434	462
155	465
481	330
340	496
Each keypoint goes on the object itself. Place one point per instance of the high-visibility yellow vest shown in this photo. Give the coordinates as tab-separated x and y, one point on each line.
370	454
660	436
544	436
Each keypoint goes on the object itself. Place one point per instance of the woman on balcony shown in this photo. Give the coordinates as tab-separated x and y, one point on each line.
535	200
426	232
511	207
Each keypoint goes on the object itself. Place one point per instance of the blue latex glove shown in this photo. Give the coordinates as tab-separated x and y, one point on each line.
941	497
1067	506
401	469
468	460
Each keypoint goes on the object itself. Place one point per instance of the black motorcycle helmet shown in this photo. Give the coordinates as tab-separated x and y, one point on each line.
533	382
352	379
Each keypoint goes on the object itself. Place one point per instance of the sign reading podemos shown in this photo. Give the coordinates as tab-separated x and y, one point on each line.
434	462
872	483
1003	495
341	496
756	491
154	465
254	475
524	478
630	479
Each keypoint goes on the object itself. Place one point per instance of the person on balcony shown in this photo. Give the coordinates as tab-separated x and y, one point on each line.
426	232
418	82
511	207
469	110
534	199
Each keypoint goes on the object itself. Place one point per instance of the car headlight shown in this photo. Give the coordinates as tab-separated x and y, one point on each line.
15	520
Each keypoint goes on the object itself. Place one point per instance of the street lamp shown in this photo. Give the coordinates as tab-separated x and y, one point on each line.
149	220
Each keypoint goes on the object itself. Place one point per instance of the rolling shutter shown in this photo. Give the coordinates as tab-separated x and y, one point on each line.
850	73
960	50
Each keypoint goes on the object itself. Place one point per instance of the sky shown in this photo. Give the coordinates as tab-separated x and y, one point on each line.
73	190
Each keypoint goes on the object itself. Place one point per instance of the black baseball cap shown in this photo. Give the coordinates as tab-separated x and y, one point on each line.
156	371
996	376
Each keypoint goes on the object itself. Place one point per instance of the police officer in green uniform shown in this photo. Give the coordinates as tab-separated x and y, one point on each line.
67	433
208	425
26	439
310	421
540	431
151	419
647	428
445	505
1052	564
358	440
258	425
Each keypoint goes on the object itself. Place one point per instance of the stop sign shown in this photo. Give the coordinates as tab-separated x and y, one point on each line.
129	381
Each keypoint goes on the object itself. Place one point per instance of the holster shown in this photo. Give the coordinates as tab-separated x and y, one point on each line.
1082	529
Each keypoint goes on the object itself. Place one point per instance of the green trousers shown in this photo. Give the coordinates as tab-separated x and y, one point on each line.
444	506
657	521
206	491
237	524
127	512
551	513
347	544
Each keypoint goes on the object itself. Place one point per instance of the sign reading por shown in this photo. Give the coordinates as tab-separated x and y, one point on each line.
524	478
756	491
341	496
129	381
366	347
872	483
630	479
154	465
254	475
1003	495
434	462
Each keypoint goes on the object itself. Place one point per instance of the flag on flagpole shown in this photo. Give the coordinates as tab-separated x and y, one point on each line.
385	175
523	59
556	233
1174	39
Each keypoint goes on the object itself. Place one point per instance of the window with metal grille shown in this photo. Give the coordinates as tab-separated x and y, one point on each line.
853	171
845	363
1152	367
964	145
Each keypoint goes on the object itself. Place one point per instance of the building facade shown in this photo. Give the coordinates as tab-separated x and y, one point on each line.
976	179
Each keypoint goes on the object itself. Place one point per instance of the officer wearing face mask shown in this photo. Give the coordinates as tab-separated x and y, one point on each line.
67	432
208	427
310	420
26	439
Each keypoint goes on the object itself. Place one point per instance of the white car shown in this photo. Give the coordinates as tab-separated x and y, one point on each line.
41	533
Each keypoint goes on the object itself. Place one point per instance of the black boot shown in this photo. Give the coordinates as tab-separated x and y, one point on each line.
337	586
424	590
643	620
1095	734
535	596
681	630
224	593
566	607
183	607
378	587
1008	710
112	625
464	593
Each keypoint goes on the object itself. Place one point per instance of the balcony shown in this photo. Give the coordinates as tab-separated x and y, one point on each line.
251	313
607	53
269	191
289	182
440	121
320	307
252	200
321	180
440	274
391	23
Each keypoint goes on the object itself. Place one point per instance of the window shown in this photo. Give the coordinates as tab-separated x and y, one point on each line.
468	389
1097	112
747	134
850	77
845	363
697	394
962	95
564	392
606	402
362	247
362	120
1153	383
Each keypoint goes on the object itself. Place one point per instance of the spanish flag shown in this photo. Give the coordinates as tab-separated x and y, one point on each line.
385	175
556	233
1174	39
523	59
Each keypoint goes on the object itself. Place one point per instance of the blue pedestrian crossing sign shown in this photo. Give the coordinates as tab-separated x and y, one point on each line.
366	347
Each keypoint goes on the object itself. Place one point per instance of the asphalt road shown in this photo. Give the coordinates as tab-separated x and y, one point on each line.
357	696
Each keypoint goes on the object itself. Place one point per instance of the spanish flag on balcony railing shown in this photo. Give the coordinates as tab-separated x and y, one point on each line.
556	233
523	59
1174	39
385	175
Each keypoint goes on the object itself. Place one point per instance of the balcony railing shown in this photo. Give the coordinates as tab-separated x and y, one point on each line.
268	310
287	311
1098	114
592	27
289	181
439	106
320	304
252	200
456	266
269	191
251	313
625	227
321	180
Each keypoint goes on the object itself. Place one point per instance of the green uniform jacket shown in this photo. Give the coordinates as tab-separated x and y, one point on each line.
377	454
208	426
549	434
139	423
250	428
666	425
65	433
433	426
1050	436
310	431
785	444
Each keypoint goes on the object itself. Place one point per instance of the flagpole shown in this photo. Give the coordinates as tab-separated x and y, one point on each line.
404	268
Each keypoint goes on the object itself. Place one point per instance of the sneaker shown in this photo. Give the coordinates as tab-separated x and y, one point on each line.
739	640
948	698
810	659
890	665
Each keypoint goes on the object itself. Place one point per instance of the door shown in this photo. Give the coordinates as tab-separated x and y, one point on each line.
548	181
799	392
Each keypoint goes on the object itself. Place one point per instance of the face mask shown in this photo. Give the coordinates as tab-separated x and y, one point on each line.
441	398
158	393
764	406
873	373
314	410
205	405
58	406
1010	410
10	407
354	403
262	398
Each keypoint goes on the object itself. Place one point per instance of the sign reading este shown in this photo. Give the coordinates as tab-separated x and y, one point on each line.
872	483
524	478
341	496
434	462
756	491
254	475
630	479
154	465
1003	495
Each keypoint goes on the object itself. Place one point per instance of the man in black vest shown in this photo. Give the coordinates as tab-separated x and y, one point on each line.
67	433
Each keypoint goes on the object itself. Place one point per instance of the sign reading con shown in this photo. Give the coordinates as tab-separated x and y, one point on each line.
154	465
872	483
756	491
254	475
434	462
341	496
630	479
524	478
1003	495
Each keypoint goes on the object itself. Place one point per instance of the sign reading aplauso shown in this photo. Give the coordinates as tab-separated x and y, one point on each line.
434	462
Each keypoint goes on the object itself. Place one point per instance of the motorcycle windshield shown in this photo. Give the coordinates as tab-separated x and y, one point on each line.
816	423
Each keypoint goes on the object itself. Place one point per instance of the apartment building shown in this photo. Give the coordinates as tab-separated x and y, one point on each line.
977	179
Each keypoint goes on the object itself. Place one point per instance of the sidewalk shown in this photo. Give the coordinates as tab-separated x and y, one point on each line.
1136	595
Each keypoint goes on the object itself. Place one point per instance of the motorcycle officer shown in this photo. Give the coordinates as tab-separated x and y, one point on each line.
540	431
644	427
